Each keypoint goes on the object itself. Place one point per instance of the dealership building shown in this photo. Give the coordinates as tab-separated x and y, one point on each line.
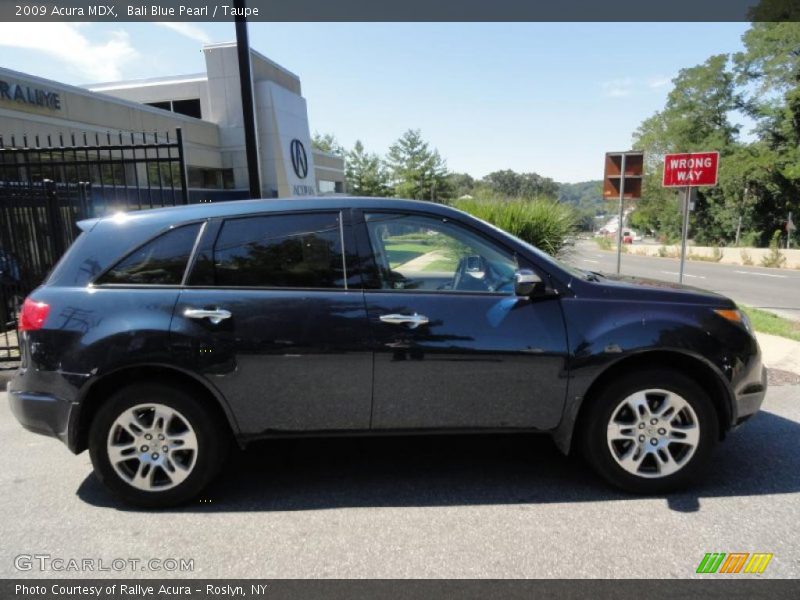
206	107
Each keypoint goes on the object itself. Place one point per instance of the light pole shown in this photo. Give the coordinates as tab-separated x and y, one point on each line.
248	107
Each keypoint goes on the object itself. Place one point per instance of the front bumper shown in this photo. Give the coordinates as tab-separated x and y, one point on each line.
750	395
41	413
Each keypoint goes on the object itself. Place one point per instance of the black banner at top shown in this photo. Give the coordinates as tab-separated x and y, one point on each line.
402	10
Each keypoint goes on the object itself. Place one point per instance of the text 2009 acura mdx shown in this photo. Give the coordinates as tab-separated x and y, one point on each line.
163	334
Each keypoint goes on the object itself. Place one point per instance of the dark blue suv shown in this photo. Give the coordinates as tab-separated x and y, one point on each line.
163	335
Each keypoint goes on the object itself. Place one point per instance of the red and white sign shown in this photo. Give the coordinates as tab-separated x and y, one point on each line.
689	170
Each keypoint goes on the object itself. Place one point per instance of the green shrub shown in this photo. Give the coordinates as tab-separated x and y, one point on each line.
544	223
750	239
604	243
775	257
662	251
716	255
746	258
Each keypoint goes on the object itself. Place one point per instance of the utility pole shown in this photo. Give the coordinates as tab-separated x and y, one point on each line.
621	213
248	106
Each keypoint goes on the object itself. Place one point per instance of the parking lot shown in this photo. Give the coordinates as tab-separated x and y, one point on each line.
485	506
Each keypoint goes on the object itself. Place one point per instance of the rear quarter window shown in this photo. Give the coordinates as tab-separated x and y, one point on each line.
161	261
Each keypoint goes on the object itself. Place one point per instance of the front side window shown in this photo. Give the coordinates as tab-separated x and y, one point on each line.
297	250
433	254
161	261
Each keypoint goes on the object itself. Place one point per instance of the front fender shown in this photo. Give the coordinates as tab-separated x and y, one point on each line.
606	336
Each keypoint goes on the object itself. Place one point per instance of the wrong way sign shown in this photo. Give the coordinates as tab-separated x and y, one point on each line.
690	170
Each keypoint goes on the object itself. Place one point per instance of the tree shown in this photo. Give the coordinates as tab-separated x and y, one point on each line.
769	68
696	117
587	198
327	143
366	174
462	184
511	184
417	171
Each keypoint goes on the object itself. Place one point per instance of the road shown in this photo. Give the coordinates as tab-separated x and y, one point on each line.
776	290
450	507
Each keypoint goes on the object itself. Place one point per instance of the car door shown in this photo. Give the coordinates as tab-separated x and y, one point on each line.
270	317
454	347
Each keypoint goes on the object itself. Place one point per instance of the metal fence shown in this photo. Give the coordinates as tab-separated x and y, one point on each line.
45	188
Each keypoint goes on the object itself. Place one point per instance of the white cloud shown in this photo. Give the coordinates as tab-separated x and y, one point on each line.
627	86
658	82
188	30
617	88
65	42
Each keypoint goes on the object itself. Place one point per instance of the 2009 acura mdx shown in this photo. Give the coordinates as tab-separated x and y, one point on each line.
161	335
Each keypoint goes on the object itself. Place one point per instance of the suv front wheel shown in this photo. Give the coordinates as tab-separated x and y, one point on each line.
155	446
651	432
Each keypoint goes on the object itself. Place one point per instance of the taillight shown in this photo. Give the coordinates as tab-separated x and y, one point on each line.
33	315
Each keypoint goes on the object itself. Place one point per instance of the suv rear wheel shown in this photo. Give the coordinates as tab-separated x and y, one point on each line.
155	446
651	432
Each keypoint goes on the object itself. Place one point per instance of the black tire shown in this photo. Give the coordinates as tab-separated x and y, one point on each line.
213	443
595	444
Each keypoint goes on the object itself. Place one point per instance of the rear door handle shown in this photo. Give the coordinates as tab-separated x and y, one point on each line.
413	321
216	316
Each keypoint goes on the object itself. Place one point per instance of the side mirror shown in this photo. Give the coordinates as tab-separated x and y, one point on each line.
525	282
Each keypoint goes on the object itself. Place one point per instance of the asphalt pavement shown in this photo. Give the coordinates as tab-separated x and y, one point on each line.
449	506
775	290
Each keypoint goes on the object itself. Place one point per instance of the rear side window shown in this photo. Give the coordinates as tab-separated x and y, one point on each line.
161	261
297	250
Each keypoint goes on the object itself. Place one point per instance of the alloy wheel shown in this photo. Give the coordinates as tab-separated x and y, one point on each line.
653	433
152	447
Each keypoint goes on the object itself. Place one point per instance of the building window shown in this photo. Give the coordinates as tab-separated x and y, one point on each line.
210	179
190	108
227	179
162	105
331	187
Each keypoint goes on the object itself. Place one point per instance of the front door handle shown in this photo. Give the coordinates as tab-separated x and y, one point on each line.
216	316
413	321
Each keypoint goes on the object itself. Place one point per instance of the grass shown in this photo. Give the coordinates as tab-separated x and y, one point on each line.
767	322
399	253
444	265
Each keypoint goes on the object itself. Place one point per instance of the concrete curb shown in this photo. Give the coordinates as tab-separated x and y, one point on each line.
779	352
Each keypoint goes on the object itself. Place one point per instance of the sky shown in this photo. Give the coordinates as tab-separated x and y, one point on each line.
550	98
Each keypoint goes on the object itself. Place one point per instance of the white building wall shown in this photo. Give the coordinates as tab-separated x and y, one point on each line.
282	118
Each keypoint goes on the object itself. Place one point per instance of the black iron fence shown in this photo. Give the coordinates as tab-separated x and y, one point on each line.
45	188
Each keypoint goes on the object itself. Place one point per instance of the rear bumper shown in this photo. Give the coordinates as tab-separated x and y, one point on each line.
41	413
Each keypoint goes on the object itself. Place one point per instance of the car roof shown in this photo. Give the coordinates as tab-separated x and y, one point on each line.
206	210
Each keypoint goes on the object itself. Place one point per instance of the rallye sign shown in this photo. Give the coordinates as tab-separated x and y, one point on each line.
33	96
689	170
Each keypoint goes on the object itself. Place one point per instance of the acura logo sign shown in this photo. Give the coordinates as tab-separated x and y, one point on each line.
299	158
